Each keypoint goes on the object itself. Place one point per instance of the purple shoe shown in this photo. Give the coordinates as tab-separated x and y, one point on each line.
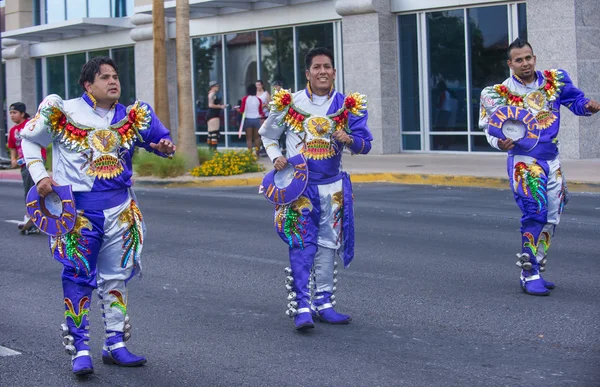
303	321
114	351
548	284
533	284
82	363
322	309
330	316
531	280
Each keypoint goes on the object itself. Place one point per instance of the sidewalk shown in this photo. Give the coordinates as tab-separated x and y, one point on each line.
469	170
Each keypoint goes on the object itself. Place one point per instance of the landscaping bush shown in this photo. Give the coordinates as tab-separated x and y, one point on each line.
228	163
49	157
204	154
148	164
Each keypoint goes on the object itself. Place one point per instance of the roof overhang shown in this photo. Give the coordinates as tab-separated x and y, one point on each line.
208	8
69	29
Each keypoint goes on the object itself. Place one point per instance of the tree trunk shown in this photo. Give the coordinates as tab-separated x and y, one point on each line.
161	94
186	136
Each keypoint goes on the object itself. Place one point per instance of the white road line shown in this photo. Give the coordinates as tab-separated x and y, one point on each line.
8	352
13	221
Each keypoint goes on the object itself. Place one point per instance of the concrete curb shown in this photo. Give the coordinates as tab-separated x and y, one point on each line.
365	178
392	178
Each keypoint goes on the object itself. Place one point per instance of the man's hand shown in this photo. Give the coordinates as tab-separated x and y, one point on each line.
13	163
506	144
44	186
593	106
343	137
280	163
165	146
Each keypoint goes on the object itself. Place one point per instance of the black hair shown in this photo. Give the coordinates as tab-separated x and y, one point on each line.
92	67
261	82
316	52
517	43
251	89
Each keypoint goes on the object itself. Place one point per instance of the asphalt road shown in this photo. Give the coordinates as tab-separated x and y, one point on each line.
433	293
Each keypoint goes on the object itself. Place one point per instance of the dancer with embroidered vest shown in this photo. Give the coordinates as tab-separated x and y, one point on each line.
522	116
316	218
93	139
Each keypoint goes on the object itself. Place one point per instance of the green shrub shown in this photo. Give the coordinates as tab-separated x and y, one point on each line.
49	157
204	154
148	164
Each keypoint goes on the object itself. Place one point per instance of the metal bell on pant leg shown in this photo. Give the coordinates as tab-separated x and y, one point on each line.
301	261
531	281
547	284
76	330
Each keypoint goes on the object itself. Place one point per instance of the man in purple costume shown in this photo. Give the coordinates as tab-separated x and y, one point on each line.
93	140
535	175
319	123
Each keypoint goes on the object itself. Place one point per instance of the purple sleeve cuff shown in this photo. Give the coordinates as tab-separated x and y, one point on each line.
360	145
156	132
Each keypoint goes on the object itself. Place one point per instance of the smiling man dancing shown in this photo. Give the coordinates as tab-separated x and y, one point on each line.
319	123
536	178
93	140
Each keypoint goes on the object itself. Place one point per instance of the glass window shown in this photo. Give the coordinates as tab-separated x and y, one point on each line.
241	72
93	54
39	86
522	11
480	144
447	78
411	142
74	64
444	52
55	75
309	37
277	58
409	76
124	59
36	14
98	8
207	57
55	11
488	27
449	142
122	8
76	9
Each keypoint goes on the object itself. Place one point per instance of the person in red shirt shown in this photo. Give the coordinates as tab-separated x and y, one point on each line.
18	115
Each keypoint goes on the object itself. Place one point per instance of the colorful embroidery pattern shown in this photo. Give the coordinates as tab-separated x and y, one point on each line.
102	142
543	242
317	130
545	119
319	149
74	247
338	200
77	317
550	87
294	117
121	302
532	179
563	194
133	237
290	221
